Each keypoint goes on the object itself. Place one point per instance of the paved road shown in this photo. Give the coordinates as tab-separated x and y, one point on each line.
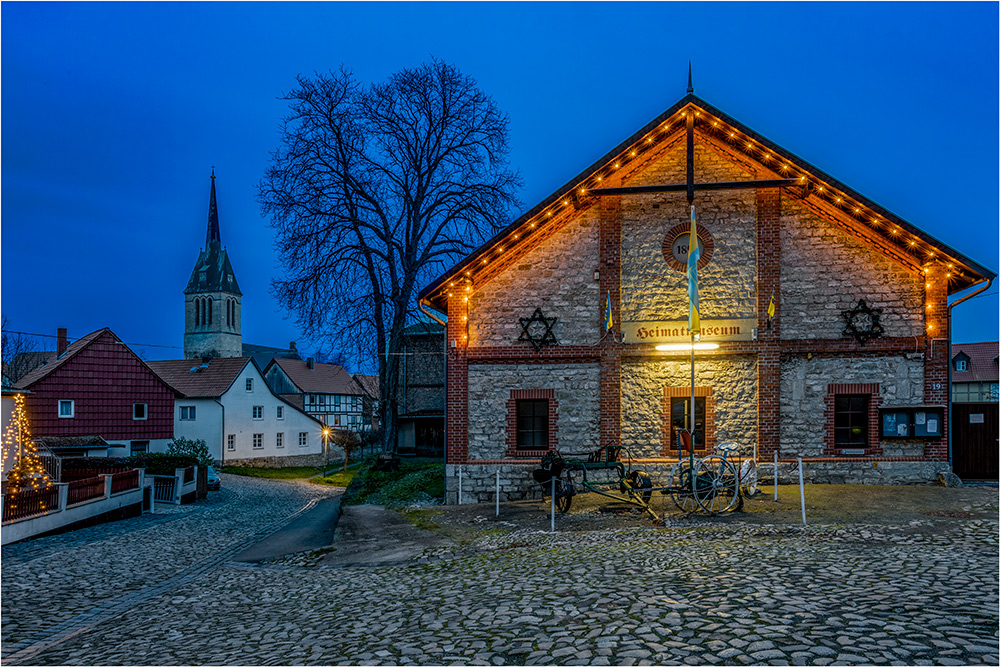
924	593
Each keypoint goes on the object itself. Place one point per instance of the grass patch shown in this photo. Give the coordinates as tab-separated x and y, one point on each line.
338	478
417	480
296	472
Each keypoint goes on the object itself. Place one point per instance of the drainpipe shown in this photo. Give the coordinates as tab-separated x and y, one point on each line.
989	282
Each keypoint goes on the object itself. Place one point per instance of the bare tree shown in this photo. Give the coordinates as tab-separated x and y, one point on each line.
372	191
21	353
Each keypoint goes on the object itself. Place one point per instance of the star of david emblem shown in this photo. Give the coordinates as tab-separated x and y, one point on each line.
537	330
862	322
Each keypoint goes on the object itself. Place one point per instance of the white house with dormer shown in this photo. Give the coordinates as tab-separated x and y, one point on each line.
226	402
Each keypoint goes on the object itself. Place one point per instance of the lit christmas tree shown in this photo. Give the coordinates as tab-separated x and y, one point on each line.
28	473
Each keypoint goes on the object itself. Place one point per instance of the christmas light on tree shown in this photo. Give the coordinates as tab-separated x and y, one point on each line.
28	473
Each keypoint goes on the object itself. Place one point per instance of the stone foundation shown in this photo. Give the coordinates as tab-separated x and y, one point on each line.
516	483
282	461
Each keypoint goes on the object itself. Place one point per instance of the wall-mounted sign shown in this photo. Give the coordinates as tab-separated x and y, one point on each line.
976	418
676	331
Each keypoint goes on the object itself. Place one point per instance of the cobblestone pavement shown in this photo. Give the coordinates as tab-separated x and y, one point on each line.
699	593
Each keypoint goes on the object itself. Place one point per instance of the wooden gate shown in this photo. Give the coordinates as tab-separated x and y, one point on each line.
974	440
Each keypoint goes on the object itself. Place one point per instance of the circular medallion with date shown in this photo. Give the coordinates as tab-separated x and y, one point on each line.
677	243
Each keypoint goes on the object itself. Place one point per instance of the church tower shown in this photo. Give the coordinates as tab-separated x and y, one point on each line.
212	298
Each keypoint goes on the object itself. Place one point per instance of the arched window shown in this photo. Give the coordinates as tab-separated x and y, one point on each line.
197	312
229	312
210	310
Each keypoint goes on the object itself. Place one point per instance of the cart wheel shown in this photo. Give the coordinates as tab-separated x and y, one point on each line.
564	494
717	486
748	478
639	483
680	487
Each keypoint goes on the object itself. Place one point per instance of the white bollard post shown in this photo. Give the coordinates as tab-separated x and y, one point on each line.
459	485
776	476
498	493
802	493
553	504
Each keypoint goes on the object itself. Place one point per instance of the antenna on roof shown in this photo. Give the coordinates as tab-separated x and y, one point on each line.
690	85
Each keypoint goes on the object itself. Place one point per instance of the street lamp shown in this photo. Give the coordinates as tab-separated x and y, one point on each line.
326	444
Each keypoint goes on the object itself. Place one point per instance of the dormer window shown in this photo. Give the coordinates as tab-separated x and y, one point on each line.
961	365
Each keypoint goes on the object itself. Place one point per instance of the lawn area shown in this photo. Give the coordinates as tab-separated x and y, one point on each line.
417	480
297	472
338	478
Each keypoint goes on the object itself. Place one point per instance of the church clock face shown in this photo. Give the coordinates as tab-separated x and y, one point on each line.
677	245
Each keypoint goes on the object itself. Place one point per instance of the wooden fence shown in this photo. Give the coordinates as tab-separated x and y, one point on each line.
83	490
30	502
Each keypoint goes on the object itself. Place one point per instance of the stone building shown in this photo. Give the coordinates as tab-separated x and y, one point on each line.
849	373
421	385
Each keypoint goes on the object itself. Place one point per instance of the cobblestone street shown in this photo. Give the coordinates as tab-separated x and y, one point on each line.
163	589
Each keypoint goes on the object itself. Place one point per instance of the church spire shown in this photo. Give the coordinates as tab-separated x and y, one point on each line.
213	218
690	86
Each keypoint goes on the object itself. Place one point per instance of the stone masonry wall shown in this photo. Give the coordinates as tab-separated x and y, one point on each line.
804	387
734	386
576	390
287	461
650	289
825	270
557	276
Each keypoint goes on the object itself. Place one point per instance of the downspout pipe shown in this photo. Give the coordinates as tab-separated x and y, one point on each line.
951	428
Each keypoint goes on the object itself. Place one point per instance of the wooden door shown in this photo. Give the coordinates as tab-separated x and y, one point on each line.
974	440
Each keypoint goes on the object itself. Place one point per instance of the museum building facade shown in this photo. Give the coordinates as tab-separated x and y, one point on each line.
830	313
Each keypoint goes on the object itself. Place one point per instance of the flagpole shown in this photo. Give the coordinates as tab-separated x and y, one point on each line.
692	248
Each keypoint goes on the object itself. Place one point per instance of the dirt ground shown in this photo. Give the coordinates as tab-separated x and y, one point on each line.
926	508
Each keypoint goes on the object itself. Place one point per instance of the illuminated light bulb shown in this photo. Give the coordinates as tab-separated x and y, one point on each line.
838	198
821	188
501	250
649	141
895	231
913	243
449	293
532	225
466	298
930	254
749	145
468	288
697	113
565	201
930	326
928	285
599	178
464	318
617	165
515	236
633	153
682	347
582	190
684	114
950	265
484	261
767	156
785	167
550	214
732	134
715	123
452	284
947	275
926	270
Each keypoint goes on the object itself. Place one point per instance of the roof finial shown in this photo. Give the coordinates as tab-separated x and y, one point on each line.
213	172
690	85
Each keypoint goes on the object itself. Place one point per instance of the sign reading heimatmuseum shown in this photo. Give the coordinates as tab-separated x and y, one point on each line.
676	331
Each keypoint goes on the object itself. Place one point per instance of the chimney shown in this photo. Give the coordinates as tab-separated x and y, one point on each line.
309	363
60	341
291	347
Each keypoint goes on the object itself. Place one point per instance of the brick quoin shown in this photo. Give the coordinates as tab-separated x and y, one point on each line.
457	377
768	340
609	265
936	355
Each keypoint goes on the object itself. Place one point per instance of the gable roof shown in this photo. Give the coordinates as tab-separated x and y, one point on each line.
211	381
893	235
320	379
982	362
369	384
72	350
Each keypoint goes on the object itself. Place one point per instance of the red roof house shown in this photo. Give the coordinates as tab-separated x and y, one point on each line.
97	386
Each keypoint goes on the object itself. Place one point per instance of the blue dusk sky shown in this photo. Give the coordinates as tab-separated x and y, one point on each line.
114	113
